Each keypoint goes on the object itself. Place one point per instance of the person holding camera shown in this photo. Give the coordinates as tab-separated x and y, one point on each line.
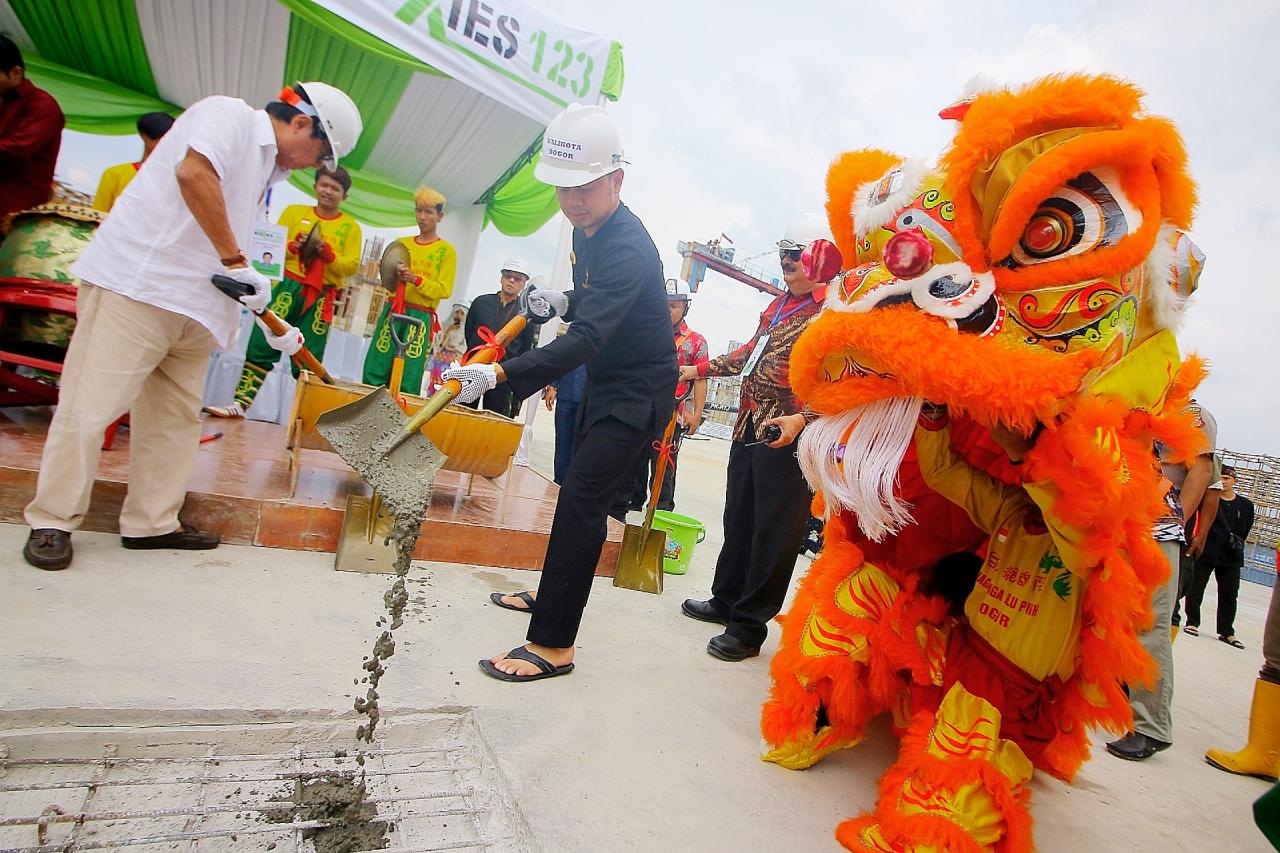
1223	556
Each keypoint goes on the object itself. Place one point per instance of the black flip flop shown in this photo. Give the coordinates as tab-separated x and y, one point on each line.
496	598
1231	641
549	670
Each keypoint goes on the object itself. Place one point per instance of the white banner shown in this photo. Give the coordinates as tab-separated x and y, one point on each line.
509	50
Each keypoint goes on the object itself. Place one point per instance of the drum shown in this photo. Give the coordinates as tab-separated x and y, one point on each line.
41	245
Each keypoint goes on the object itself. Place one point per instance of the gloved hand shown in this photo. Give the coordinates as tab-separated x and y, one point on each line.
476	379
289	343
545	303
259	299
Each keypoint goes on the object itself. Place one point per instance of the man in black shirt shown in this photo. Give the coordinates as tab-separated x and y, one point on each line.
621	330
1223	556
491	312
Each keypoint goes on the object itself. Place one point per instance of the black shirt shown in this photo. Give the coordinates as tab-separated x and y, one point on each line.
1234	516
488	310
620	328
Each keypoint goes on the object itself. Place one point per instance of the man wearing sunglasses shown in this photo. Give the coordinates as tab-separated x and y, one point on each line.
766	500
488	314
148	316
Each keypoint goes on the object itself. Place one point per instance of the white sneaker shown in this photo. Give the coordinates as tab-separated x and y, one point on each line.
234	410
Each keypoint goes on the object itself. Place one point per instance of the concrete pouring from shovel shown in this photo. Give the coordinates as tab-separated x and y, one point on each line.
388	450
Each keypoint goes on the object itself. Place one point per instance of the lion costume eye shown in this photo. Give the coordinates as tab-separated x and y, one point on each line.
1089	212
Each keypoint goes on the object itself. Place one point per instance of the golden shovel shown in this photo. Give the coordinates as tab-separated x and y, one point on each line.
640	563
363	543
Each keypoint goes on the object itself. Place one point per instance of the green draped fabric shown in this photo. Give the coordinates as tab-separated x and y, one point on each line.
102	39
340	28
91	104
373	200
372	82
523	204
611	86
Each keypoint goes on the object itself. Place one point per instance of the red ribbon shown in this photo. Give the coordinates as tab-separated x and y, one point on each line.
488	341
666	451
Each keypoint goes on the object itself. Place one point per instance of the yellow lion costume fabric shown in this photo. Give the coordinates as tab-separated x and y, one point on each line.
1031	281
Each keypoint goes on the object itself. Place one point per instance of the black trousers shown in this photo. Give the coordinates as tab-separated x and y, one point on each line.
636	493
501	400
765	511
604	457
1228	592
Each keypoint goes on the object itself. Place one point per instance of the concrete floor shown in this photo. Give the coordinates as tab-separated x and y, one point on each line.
650	745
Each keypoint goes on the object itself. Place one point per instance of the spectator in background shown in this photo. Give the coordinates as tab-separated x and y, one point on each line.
489	313
691	349
151	127
565	394
448	346
1223	556
31	125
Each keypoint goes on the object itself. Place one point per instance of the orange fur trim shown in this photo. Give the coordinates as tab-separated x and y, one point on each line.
849	171
998	120
990	381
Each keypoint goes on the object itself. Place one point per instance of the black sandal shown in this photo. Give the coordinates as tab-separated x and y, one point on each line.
1193	630
548	669
1231	641
527	598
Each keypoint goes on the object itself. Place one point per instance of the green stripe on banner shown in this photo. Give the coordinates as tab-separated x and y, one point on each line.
341	28
91	104
373	201
375	84
101	38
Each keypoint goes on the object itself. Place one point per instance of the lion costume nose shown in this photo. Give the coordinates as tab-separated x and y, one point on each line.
908	254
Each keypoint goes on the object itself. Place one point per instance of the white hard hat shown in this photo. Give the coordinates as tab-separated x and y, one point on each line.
805	230
338	117
678	290
580	145
516	264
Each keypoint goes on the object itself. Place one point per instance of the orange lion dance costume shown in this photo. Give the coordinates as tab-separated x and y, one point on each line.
1030	282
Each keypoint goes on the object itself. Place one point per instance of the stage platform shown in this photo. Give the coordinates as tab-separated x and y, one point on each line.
240	489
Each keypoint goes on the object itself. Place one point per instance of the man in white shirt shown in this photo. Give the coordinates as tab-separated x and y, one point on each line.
148	317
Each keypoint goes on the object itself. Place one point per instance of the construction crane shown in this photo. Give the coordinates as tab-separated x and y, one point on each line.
700	257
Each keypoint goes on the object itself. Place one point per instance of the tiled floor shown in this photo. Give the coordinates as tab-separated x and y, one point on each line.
240	488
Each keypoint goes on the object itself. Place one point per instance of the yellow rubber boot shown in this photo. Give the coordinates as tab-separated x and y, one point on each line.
1261	755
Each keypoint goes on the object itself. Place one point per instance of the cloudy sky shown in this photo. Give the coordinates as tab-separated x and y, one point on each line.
730	119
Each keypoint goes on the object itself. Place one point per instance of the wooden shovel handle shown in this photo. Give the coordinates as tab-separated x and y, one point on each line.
660	471
302	356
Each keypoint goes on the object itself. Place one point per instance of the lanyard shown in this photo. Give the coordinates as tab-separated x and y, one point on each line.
778	316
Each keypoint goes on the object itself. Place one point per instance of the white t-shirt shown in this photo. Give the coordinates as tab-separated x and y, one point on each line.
150	248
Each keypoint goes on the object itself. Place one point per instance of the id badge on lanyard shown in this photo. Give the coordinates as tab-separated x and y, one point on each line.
750	366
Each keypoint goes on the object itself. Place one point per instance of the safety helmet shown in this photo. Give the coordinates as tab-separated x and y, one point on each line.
580	145
516	264
805	230
678	290
336	113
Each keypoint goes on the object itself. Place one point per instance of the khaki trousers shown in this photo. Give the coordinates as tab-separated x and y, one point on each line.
1153	709
125	356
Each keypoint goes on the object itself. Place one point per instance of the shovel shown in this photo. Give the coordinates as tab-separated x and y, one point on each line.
236	289
364	542
373	436
640	563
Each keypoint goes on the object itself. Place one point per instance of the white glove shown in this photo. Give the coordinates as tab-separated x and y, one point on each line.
289	343
545	303
476	379
261	296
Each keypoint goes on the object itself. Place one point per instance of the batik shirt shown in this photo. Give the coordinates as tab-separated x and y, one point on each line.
691	348
766	375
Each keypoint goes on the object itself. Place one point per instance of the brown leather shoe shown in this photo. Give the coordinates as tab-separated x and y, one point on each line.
48	549
185	538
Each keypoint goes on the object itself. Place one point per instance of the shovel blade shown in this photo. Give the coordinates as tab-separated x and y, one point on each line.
358	551
640	563
359	432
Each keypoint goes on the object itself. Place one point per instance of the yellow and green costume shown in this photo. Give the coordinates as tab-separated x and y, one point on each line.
434	266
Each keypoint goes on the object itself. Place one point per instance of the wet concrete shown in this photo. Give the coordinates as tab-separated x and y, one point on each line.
339	800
